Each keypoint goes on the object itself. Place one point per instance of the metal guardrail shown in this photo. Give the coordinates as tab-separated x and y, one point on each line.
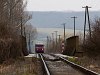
87	71
45	65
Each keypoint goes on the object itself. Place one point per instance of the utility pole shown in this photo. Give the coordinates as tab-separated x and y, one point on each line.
64	31
59	38
53	41
59	43
50	39
56	36
56	40
47	42
87	14
52	36
50	45
74	23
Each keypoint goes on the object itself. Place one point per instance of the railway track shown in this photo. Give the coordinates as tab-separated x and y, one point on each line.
56	65
46	69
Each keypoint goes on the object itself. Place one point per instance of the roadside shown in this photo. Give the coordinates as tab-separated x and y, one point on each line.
21	66
89	63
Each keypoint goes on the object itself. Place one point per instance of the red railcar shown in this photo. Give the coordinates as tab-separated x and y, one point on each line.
39	48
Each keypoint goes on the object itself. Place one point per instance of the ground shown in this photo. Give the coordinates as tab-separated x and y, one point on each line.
90	63
32	65
85	61
21	66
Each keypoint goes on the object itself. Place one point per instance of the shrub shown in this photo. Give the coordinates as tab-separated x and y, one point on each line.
92	45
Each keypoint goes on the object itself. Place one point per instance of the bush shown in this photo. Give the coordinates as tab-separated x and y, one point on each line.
74	60
92	45
12	19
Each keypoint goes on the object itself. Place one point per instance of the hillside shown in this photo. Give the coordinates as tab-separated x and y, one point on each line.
54	19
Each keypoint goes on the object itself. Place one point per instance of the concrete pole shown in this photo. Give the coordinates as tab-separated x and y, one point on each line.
87	14
56	41
74	23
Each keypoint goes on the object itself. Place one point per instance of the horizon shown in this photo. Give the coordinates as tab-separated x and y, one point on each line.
52	19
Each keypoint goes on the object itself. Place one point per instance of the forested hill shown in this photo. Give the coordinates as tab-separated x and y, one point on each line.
53	19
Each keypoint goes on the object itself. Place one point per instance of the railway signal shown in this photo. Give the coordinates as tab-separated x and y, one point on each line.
63	46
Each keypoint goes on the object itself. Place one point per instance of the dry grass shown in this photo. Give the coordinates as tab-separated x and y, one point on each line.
20	67
92	64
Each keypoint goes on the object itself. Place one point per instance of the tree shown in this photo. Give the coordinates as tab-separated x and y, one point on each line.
12	17
92	45
30	35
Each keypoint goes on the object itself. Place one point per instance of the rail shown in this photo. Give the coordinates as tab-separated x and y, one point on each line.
44	64
87	71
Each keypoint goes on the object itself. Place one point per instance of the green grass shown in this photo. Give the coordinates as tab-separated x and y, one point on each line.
74	60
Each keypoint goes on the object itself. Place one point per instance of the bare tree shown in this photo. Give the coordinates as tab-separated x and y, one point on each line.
12	18
30	35
92	46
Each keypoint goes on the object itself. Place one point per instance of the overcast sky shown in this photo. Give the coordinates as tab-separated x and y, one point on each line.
62	5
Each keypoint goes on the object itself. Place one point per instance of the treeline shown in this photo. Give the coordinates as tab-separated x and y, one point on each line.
13	21
91	45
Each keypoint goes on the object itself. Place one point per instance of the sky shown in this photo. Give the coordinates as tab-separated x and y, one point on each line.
62	5
58	5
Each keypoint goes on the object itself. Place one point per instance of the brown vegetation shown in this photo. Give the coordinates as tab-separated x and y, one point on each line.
91	48
19	67
30	33
12	22
92	45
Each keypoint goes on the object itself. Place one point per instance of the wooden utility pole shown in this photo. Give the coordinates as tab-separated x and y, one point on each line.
74	23
87	14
